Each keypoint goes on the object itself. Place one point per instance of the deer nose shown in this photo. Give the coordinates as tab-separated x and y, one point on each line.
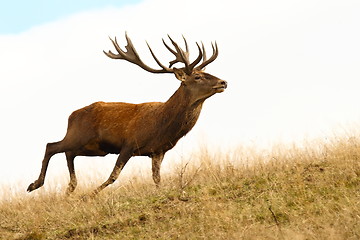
224	83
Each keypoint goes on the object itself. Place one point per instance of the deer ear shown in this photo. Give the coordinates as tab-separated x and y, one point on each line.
180	74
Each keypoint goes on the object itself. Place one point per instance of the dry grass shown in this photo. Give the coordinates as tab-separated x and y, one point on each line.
308	192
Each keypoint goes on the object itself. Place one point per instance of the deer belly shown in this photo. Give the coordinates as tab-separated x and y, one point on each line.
153	149
98	149
109	147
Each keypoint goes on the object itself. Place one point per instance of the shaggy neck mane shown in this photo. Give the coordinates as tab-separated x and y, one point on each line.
179	115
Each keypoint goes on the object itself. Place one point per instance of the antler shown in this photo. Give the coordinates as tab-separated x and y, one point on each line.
181	56
132	56
211	59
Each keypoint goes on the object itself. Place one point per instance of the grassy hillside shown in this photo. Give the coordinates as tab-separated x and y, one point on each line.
312	192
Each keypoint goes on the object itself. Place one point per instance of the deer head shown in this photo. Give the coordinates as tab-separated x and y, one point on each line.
201	85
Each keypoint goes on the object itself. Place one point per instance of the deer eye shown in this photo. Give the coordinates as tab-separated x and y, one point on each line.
197	77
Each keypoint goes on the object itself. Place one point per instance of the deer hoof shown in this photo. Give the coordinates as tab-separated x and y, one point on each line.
34	185
70	189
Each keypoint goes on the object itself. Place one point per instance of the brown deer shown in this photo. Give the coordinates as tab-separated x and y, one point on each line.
146	129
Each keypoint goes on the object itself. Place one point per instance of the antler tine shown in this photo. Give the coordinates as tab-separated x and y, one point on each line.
178	49
211	59
130	48
169	48
157	60
187	53
204	52
132	56
180	55
198	59
111	54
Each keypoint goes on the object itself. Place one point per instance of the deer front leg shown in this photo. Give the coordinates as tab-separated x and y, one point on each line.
156	163
120	163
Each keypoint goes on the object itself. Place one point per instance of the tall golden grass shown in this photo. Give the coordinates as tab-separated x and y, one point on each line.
310	191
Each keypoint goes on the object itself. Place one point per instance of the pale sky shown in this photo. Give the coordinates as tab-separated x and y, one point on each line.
20	15
292	69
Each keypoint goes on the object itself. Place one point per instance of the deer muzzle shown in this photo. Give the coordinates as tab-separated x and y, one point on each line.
221	86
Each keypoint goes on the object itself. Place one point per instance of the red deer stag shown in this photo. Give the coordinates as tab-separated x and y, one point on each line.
147	129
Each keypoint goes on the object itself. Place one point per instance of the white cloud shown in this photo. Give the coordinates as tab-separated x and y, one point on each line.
292	68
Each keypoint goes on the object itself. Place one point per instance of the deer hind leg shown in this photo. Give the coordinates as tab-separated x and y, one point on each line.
51	150
70	156
123	158
156	163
